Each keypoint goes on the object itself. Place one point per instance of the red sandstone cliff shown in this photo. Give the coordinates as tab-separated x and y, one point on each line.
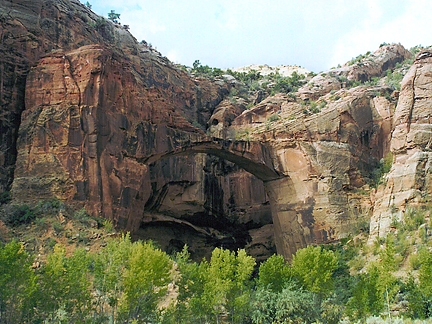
93	117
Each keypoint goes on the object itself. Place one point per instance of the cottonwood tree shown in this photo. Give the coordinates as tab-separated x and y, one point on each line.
18	284
212	288
314	267
274	273
145	279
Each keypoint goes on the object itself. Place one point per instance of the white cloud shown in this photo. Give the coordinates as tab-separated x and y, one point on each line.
410	28
173	56
313	33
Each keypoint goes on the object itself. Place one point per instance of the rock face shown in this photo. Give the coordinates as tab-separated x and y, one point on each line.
93	117
409	181
28	30
371	65
327	158
91	112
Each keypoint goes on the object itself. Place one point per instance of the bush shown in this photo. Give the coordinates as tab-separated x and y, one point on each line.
291	305
5	197
81	214
17	285
273	118
15	215
50	207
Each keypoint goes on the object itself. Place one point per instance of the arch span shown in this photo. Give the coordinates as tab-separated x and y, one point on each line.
258	159
253	157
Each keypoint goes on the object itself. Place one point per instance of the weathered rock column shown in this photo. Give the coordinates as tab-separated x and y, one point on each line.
290	235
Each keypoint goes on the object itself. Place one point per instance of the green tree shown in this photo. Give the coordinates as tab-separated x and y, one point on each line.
420	296
113	16
418	304
66	285
109	265
145	279
314	267
18	285
274	273
227	282
194	303
88	5
367	297
210	288
238	294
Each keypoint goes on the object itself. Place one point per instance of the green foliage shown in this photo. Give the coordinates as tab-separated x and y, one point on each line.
359	58
113	16
205	70
108	225
382	168
208	288
394	79
367	298
15	215
420	295
50	207
418	304
145	281
273	118
288	84
313	107
243	135
194	302
425	272
247	78
413	218
291	305
416	49
65	285
109	265
81	214
274	273
373	81
17	284
414	261
281	84
88	5
314	267
5	197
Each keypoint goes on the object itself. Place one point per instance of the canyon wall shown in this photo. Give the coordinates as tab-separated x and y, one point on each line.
95	118
408	184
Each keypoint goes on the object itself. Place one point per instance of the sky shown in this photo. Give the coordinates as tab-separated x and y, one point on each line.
314	34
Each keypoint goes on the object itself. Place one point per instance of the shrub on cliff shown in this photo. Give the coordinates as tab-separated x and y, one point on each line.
17	214
5	197
113	16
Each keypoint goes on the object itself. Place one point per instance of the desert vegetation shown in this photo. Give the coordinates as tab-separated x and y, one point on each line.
135	282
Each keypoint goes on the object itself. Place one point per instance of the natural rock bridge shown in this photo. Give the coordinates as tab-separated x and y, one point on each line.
251	156
258	159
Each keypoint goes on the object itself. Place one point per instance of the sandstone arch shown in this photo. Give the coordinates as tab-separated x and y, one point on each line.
253	157
257	159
